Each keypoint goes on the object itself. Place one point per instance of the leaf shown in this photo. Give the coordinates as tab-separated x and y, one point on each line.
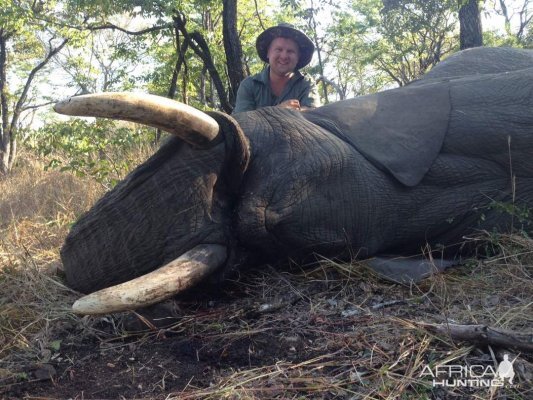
55	345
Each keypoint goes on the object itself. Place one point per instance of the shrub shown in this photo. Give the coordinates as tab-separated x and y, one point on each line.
102	149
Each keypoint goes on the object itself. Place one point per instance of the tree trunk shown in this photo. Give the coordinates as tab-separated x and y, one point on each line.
4	110
12	153
185	84
181	49
203	90
471	32
173	87
232	47
340	91
8	143
313	27
198	44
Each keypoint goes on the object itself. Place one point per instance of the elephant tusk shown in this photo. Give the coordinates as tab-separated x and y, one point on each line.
188	123
166	281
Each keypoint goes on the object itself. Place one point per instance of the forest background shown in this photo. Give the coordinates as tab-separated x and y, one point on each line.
198	52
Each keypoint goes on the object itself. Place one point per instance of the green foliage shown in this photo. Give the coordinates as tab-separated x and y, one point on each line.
103	149
405	38
252	21
204	16
55	345
352	58
364	45
520	214
13	16
517	22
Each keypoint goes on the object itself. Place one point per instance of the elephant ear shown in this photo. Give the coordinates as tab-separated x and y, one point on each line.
400	130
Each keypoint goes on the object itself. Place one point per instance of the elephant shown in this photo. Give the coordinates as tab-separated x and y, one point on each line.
390	173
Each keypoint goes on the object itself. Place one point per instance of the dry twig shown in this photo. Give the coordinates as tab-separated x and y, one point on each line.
482	335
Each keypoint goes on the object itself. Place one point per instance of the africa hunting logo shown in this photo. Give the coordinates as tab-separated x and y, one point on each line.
449	375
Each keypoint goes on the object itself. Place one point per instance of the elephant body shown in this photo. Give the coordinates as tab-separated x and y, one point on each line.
388	173
455	167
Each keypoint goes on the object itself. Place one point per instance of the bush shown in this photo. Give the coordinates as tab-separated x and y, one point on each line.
103	149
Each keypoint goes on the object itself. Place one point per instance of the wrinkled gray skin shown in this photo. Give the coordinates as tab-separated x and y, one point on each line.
379	174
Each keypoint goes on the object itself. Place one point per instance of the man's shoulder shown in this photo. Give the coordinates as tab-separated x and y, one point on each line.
261	77
253	80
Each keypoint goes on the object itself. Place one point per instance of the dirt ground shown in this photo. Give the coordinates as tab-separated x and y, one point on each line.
330	332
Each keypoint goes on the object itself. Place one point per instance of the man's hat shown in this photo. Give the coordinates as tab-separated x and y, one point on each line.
286	31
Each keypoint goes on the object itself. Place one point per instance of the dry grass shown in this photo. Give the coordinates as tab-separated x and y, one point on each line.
36	209
339	331
47	196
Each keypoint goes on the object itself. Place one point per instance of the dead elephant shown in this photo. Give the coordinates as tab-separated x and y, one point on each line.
380	174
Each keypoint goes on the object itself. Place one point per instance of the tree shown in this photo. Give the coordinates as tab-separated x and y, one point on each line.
232	47
27	45
108	61
310	15
198	44
351	58
198	51
518	17
32	34
471	32
407	37
211	51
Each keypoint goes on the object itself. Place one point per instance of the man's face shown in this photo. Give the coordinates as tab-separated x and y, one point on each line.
283	55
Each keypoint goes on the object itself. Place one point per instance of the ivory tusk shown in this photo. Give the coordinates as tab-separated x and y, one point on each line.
188	123
170	279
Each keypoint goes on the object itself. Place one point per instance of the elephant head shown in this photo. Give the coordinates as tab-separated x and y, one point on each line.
172	212
385	173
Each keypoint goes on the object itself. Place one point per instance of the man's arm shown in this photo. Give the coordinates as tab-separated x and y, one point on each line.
245	100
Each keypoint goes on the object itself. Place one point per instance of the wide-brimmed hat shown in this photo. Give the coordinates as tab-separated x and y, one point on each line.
287	31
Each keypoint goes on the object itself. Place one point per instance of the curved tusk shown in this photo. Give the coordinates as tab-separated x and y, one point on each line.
188	123
170	279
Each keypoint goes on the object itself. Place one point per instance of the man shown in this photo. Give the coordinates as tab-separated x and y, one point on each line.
286	50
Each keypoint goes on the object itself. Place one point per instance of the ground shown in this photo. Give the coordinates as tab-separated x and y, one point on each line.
332	331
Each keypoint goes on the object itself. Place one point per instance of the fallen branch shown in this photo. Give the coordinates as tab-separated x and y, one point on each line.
482	335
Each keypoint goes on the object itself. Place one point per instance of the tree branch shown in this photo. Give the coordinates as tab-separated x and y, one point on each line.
105	25
258	15
335	86
36	106
198	44
18	107
482	335
118	28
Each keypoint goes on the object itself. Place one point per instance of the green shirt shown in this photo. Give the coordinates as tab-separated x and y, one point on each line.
254	92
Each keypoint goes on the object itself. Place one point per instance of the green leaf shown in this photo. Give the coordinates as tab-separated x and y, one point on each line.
55	345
